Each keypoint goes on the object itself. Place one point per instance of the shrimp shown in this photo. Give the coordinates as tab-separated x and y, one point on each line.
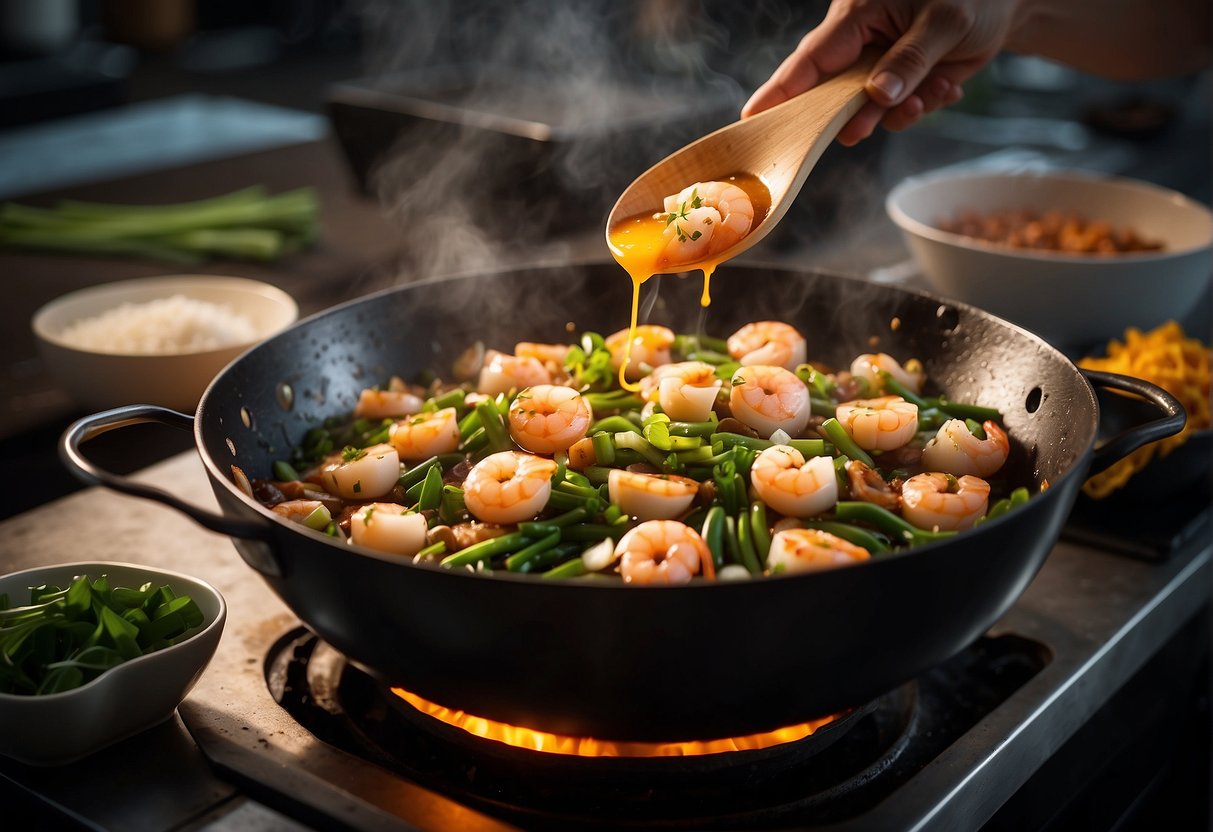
768	342
943	502
383	404
550	355
426	434
388	527
546	418
867	485
807	550
883	424
502	373
955	450
650	349
792	485
769	399
362	473
869	366
705	219
651	496
508	487
311	513
661	552
686	391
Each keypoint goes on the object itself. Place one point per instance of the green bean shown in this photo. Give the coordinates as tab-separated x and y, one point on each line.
896	388
807	447
585	492
550	557
574	568
448	461
432	551
852	534
844	443
618	400
710	357
490	420
731	546
523	559
469	424
724	475
452	398
565	502
700	455
701	429
417	473
613	424
451	507
285	472
959	410
538	528
1019	496
604	448
430	497
485	550
590	532
637	443
975	428
761	530
822	407
886	521
713	534
598	474
745	545
476	442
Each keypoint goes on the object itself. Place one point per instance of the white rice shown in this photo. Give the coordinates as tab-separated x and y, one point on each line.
168	325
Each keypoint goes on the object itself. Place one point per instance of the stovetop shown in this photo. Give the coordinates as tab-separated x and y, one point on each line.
1088	622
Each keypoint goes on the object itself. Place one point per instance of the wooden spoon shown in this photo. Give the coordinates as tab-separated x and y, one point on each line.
780	146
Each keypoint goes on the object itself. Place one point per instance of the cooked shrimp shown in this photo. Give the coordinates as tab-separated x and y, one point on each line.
686	391
769	399
651	496
502	373
943	502
362	474
807	550
869	366
546	418
792	485
650	348
388	527
955	450
311	513
867	485
768	342
882	424
426	434
508	487
384	404
661	552
550	355
720	212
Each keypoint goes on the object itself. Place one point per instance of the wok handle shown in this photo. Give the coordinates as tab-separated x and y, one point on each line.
82	430
1128	441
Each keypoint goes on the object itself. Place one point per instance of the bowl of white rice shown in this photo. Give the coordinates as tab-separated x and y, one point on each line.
156	340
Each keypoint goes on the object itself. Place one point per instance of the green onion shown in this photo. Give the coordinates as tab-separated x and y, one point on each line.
886	521
417	473
613	424
430	497
852	534
574	568
485	550
842	440
285	472
523	559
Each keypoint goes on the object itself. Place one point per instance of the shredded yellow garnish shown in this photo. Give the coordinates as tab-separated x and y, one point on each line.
1179	365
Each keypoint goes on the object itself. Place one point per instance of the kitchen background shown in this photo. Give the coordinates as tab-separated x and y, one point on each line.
156	101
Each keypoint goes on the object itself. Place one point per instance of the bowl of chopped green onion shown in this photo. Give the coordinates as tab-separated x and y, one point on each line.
92	653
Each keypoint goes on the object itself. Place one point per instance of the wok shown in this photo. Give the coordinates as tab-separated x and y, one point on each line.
604	659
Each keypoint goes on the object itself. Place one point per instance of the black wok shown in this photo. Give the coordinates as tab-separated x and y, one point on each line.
608	660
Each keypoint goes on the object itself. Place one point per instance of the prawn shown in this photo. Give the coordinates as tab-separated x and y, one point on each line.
869	366
651	496
362	473
955	450
867	485
426	434
650	348
686	391
768	399
768	342
705	219
792	485
943	502
661	552
547	418
552	356
383	404
311	513
883	424
503	372
388	527
508	487
807	550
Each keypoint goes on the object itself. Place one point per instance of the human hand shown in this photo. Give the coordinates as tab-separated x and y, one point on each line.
934	46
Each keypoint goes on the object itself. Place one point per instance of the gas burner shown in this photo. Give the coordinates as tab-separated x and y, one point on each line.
835	772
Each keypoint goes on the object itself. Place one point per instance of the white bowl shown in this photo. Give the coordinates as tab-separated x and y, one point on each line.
1069	299
100	380
58	728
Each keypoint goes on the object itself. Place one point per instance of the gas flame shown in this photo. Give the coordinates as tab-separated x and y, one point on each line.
549	743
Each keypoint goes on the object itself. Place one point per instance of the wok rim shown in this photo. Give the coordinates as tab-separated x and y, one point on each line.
281	524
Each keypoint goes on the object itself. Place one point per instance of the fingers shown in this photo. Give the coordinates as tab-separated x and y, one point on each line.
831	47
934	33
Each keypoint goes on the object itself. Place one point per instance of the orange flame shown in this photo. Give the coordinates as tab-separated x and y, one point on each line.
549	743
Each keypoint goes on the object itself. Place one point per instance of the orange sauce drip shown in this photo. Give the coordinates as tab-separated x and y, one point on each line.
638	244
